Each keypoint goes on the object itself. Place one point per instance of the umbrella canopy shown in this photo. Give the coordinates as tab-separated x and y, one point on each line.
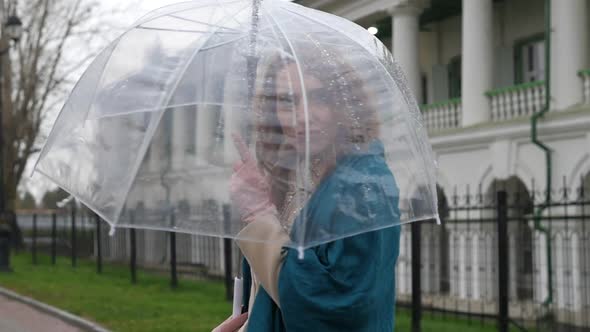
145	138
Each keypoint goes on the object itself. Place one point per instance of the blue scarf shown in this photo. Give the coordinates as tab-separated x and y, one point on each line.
347	284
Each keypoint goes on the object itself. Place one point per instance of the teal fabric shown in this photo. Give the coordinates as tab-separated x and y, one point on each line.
347	284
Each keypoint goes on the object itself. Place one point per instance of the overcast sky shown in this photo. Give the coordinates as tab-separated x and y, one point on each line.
134	9
137	8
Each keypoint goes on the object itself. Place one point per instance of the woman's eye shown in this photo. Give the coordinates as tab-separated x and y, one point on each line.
285	101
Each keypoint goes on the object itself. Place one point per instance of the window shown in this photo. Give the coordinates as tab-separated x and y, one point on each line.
424	82
530	60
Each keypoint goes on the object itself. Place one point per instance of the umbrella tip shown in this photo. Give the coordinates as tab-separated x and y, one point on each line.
300	253
64	201
112	230
438	222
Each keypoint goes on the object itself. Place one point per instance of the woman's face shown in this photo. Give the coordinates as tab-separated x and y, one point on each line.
322	123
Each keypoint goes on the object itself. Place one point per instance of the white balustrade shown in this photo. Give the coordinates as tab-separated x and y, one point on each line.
444	115
585	76
507	103
517	101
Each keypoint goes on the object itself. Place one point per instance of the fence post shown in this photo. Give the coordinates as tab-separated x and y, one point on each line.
416	278
73	235
174	275
34	240
502	220
53	237
227	254
98	245
133	256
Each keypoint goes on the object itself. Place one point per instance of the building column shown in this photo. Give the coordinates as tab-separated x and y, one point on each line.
477	61
569	51
462	271
475	263
404	282
156	148
454	261
405	43
179	137
540	263
205	128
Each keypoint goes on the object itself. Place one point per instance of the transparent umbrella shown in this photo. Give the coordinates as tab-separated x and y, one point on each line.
151	133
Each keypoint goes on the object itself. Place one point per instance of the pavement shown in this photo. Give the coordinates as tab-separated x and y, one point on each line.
16	316
22	314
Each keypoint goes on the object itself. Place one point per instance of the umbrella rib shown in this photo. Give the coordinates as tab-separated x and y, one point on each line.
139	21
171	30
206	24
393	79
146	110
349	38
233	18
152	129
305	114
118	39
229	41
43	151
409	102
67	190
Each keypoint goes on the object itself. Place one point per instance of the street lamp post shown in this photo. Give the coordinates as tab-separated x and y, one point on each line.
11	31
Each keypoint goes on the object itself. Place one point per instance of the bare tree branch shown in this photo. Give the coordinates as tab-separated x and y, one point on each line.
38	73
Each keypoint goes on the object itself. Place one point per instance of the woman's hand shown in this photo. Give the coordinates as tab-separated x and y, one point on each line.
232	324
249	188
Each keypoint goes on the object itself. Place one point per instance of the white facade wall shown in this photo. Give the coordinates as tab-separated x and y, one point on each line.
498	153
479	155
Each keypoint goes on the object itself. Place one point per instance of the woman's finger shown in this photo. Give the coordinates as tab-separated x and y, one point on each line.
233	324
237	166
241	147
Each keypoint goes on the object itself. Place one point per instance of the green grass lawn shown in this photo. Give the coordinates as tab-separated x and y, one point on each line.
150	305
112	301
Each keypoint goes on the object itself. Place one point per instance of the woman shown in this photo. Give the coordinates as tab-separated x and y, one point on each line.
343	285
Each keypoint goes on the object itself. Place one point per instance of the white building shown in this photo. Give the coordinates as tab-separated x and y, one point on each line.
478	69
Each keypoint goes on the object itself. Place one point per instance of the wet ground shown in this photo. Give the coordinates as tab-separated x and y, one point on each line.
19	317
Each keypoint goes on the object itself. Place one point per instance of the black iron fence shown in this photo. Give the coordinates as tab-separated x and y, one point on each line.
510	255
57	233
81	234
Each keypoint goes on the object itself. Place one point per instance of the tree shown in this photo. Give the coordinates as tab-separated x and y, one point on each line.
35	76
26	202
